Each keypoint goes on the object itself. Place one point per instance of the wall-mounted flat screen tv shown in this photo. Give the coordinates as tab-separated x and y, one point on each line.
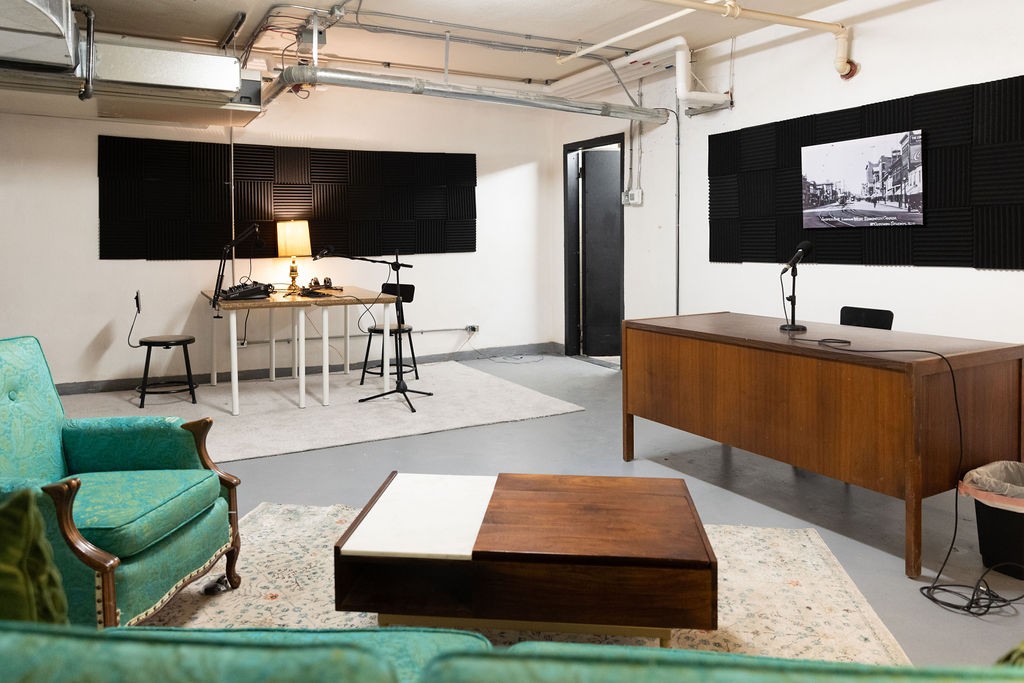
871	182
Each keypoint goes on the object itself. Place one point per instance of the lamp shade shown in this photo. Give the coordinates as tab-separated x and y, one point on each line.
293	238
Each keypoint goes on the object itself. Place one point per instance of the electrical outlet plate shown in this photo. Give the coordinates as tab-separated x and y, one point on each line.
633	198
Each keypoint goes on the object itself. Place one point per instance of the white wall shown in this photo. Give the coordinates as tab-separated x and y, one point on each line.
81	307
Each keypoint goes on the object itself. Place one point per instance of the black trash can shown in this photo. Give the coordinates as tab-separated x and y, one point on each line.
998	492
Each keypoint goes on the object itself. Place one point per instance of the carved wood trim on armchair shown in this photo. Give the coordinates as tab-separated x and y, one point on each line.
199	429
103	563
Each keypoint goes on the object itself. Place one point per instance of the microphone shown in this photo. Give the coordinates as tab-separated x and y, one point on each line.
258	242
323	252
802	250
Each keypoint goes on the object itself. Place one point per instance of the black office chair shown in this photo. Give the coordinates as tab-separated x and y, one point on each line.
165	341
398	327
878	318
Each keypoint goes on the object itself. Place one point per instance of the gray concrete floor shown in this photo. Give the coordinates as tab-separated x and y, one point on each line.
729	486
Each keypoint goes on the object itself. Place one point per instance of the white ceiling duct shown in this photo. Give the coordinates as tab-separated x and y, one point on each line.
311	75
42	57
39	34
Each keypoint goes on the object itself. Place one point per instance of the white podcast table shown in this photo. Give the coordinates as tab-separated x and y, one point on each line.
345	296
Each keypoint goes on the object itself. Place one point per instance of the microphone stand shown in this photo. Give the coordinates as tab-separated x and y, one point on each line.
400	385
791	325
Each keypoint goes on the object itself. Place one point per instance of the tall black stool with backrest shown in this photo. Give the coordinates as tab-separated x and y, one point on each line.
405	292
165	341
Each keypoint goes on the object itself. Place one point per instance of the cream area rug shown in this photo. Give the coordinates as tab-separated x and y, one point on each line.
781	592
270	421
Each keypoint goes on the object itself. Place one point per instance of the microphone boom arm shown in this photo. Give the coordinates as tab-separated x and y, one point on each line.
254	228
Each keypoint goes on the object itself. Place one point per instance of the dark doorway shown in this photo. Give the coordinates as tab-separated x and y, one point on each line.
594	246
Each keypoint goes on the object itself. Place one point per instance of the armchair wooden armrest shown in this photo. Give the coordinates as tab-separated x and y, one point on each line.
103	563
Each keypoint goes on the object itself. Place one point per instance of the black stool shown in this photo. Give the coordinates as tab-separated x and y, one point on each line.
166	341
406	293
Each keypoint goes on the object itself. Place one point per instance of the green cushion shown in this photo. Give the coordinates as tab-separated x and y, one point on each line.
126	512
139	442
407	649
579	663
59	654
30	584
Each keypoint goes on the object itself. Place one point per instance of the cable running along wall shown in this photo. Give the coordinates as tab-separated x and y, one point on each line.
973	152
162	199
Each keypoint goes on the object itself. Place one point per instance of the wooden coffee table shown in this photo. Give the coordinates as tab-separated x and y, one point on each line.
615	555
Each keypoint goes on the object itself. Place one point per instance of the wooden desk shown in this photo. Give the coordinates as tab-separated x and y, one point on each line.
883	421
347	296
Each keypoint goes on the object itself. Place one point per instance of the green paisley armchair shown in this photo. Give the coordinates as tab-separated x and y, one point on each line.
134	507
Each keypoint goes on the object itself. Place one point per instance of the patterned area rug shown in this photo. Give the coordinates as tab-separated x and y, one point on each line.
270	422
781	592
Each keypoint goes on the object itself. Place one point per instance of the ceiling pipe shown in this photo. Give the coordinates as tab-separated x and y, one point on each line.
628	34
306	75
845	67
684	84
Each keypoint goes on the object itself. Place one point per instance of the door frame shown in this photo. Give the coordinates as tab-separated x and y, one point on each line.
572	235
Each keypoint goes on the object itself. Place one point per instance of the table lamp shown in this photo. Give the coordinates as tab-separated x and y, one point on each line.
293	240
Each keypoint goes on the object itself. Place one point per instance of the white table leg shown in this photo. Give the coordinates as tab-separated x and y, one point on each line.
326	337
385	356
300	321
346	309
295	348
273	345
213	350
233	338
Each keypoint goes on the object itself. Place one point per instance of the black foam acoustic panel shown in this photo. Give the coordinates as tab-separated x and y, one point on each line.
973	155
161	199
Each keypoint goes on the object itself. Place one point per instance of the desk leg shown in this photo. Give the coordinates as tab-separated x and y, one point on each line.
326	359
213	350
233	340
627	436
300	322
385	356
912	551
273	345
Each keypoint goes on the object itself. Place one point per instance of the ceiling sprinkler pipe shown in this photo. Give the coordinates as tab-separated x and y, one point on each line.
306	75
846	67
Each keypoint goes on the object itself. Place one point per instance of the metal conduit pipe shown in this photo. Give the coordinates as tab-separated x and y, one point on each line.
90	46
307	75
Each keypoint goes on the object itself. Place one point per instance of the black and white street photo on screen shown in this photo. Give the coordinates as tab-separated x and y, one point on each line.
863	183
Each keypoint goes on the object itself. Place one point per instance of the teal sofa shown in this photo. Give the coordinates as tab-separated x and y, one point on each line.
65	654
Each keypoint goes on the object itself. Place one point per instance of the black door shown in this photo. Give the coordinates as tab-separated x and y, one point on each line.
593	246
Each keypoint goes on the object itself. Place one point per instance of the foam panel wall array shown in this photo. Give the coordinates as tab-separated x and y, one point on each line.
162	199
973	156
